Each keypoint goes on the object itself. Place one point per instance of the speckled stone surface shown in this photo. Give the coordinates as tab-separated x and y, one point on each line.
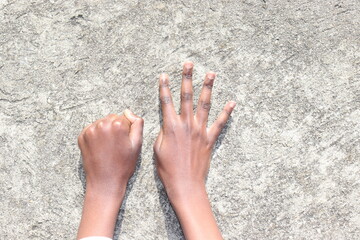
286	167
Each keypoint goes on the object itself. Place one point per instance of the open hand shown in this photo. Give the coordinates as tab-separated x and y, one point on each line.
184	144
182	151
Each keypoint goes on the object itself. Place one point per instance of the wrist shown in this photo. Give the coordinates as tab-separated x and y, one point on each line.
105	191
111	200
186	194
99	214
195	215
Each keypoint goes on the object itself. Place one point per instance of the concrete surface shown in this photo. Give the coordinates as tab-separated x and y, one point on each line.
287	167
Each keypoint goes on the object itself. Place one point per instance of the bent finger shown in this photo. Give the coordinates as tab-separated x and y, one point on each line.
121	125
136	128
158	141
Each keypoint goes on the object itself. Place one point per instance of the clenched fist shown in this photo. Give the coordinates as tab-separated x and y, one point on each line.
110	148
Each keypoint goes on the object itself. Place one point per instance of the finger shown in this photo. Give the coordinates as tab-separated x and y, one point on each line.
203	107
90	132
84	130
136	128
158	141
167	105
215	129
92	125
187	91
112	117
121	124
81	135
105	123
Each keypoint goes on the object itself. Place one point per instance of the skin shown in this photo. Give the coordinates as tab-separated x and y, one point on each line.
110	148
183	150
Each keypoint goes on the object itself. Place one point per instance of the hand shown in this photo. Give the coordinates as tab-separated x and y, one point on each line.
110	148
184	145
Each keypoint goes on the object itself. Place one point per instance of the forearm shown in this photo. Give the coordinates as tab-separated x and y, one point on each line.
195	216
99	215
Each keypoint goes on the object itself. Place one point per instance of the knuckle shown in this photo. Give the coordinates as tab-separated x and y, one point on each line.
112	115
186	127
196	131
209	83
165	100
227	111
186	96
164	84
195	134
187	75
116	123
169	131
187	71
221	125
170	128
205	105
90	132
100	124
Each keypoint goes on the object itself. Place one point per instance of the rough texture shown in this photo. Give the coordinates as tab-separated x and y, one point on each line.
286	167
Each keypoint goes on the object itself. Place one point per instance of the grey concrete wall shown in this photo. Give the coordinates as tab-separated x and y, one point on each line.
287	167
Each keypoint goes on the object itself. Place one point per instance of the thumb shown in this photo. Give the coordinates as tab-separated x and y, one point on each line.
136	128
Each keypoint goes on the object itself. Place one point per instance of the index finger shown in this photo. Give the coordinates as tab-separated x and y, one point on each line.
167	106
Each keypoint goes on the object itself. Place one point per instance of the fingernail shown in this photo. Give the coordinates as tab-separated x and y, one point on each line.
130	114
232	104
127	111
188	65
211	75
163	78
